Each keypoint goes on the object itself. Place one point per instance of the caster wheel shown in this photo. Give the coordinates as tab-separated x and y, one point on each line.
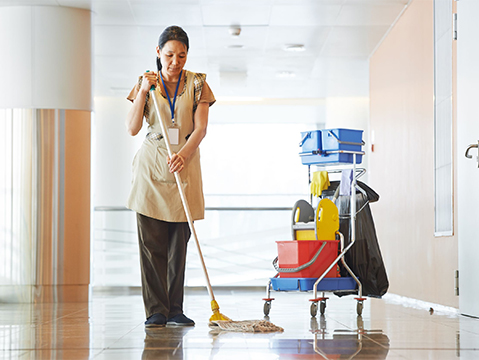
322	307
314	309
359	308
267	308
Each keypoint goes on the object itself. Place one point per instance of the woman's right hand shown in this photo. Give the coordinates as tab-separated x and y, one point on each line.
149	79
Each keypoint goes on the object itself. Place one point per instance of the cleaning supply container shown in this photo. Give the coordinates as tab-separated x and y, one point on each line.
294	254
328	146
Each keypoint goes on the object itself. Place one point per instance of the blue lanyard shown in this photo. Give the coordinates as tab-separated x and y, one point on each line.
172	105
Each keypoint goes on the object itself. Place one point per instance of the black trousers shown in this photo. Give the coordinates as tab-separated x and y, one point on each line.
162	259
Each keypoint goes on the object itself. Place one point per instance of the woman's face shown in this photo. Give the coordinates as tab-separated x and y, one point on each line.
173	58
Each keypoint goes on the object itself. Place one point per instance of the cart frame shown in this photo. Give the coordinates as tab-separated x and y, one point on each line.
322	300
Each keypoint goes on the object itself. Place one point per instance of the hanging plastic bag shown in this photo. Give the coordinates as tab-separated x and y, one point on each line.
364	258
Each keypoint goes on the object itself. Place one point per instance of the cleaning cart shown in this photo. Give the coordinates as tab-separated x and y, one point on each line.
317	245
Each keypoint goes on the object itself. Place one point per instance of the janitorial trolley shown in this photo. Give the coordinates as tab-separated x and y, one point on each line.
318	246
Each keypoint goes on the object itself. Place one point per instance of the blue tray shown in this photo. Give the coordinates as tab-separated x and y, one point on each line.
306	284
319	159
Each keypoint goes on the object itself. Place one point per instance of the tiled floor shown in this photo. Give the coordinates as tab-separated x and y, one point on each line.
111	327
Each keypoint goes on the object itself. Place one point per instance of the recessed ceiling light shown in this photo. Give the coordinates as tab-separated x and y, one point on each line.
294	47
237	46
285	74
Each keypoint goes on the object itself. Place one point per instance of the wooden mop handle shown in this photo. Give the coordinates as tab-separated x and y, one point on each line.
182	194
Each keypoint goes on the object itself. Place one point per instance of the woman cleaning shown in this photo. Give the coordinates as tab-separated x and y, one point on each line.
184	99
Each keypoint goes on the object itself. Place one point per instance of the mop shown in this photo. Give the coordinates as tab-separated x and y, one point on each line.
217	319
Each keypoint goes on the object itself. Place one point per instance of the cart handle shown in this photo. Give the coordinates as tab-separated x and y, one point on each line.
308	134
362	143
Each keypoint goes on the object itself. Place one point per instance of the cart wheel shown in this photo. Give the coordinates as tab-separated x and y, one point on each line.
359	308
322	307
314	309
267	308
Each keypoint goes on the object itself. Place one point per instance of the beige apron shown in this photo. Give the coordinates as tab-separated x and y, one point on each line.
154	192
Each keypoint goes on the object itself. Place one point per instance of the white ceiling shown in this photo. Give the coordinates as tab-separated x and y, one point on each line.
338	36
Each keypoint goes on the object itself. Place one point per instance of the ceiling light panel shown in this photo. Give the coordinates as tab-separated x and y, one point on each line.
314	15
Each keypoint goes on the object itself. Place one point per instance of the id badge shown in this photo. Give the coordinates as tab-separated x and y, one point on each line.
174	135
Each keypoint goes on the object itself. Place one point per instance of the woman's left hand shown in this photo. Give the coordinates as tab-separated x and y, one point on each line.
176	163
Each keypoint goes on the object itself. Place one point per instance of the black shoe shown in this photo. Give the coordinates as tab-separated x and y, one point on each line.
155	320
180	320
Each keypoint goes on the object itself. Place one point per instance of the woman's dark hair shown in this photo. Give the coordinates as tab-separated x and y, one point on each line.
172	33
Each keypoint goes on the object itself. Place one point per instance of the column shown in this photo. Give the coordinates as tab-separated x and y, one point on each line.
45	136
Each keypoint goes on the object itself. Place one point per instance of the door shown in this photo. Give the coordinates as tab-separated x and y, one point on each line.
467	168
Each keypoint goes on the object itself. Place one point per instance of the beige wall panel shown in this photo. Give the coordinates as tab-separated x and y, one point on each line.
419	265
77	198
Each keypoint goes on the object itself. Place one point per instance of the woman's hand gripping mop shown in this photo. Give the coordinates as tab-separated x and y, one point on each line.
218	319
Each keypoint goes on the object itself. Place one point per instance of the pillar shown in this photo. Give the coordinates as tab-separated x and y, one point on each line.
45	136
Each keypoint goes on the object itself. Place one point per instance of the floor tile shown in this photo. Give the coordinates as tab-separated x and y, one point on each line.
112	327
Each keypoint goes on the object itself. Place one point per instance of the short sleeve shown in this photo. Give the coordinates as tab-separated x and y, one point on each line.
207	95
134	93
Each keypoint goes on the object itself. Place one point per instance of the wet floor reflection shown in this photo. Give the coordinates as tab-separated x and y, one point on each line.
165	343
323	343
349	343
112	327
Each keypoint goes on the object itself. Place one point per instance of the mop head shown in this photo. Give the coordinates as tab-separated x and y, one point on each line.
254	326
216	312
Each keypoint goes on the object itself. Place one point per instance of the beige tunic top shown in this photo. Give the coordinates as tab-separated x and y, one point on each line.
154	192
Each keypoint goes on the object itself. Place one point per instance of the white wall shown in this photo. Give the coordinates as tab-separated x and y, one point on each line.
114	151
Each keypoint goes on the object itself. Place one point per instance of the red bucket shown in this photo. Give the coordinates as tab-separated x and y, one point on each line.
292	254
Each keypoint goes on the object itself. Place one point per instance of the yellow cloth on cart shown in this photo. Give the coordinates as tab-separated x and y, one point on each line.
319	182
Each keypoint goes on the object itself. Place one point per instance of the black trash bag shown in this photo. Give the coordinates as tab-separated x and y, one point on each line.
364	257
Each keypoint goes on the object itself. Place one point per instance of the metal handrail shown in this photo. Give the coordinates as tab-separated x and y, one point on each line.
208	208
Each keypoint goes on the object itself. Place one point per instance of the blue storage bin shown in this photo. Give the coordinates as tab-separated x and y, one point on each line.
310	141
329	284
341	139
306	284
285	284
317	146
330	159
